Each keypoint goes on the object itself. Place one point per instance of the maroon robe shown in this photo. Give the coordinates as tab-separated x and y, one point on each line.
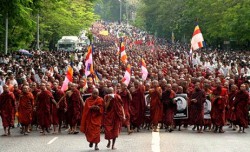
7	106
126	101
34	114
73	114
241	108
25	108
169	107
155	106
17	94
44	108
137	107
198	111
58	113
113	117
92	119
57	94
218	106
230	113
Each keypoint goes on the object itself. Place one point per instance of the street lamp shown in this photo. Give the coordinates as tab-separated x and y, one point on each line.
120	11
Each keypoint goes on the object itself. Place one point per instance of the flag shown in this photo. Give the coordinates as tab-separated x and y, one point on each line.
127	75
197	39
123	53
89	62
104	33
68	78
144	70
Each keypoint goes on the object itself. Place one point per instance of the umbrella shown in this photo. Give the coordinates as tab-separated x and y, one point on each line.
25	52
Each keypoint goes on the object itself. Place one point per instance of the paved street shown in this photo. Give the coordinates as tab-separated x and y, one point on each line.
144	141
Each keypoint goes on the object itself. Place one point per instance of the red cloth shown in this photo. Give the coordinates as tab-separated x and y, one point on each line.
155	106
137	107
73	114
198	108
241	108
58	114
25	108
92	119
113	117
7	106
126	102
169	107
43	108
218	106
230	113
34	114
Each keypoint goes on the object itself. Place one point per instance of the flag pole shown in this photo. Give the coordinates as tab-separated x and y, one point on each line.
119	59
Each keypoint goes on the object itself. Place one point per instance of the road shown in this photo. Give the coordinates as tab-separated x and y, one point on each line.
144	141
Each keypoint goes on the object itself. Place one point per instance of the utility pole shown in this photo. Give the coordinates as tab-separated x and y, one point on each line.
38	34
120	11
6	33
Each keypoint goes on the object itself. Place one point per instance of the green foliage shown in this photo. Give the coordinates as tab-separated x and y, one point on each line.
219	20
57	18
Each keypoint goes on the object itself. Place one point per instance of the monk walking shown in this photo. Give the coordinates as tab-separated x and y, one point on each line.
92	119
25	109
198	98
113	116
169	105
137	106
7	106
126	98
74	101
155	104
44	99
218	107
241	108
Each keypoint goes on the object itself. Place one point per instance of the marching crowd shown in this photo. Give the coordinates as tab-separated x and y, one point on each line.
30	87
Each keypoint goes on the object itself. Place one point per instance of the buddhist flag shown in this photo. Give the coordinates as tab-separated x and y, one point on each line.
123	53
144	70
127	75
89	62
104	33
68	78
197	39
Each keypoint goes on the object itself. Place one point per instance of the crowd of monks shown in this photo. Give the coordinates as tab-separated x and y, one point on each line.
32	95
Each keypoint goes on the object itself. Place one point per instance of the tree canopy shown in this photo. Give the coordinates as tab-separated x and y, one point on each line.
219	20
57	18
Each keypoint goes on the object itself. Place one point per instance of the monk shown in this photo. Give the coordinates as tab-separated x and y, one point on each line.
44	99
34	90
17	92
113	116
198	98
155	104
241	108
92	118
137	105
25	109
230	113
169	105
7	106
73	113
126	99
220	97
58	115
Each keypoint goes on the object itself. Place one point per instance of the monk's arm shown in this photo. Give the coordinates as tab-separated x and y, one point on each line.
82	101
107	102
64	96
129	95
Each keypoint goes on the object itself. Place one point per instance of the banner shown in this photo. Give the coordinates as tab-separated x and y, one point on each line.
182	106
85	96
207	109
